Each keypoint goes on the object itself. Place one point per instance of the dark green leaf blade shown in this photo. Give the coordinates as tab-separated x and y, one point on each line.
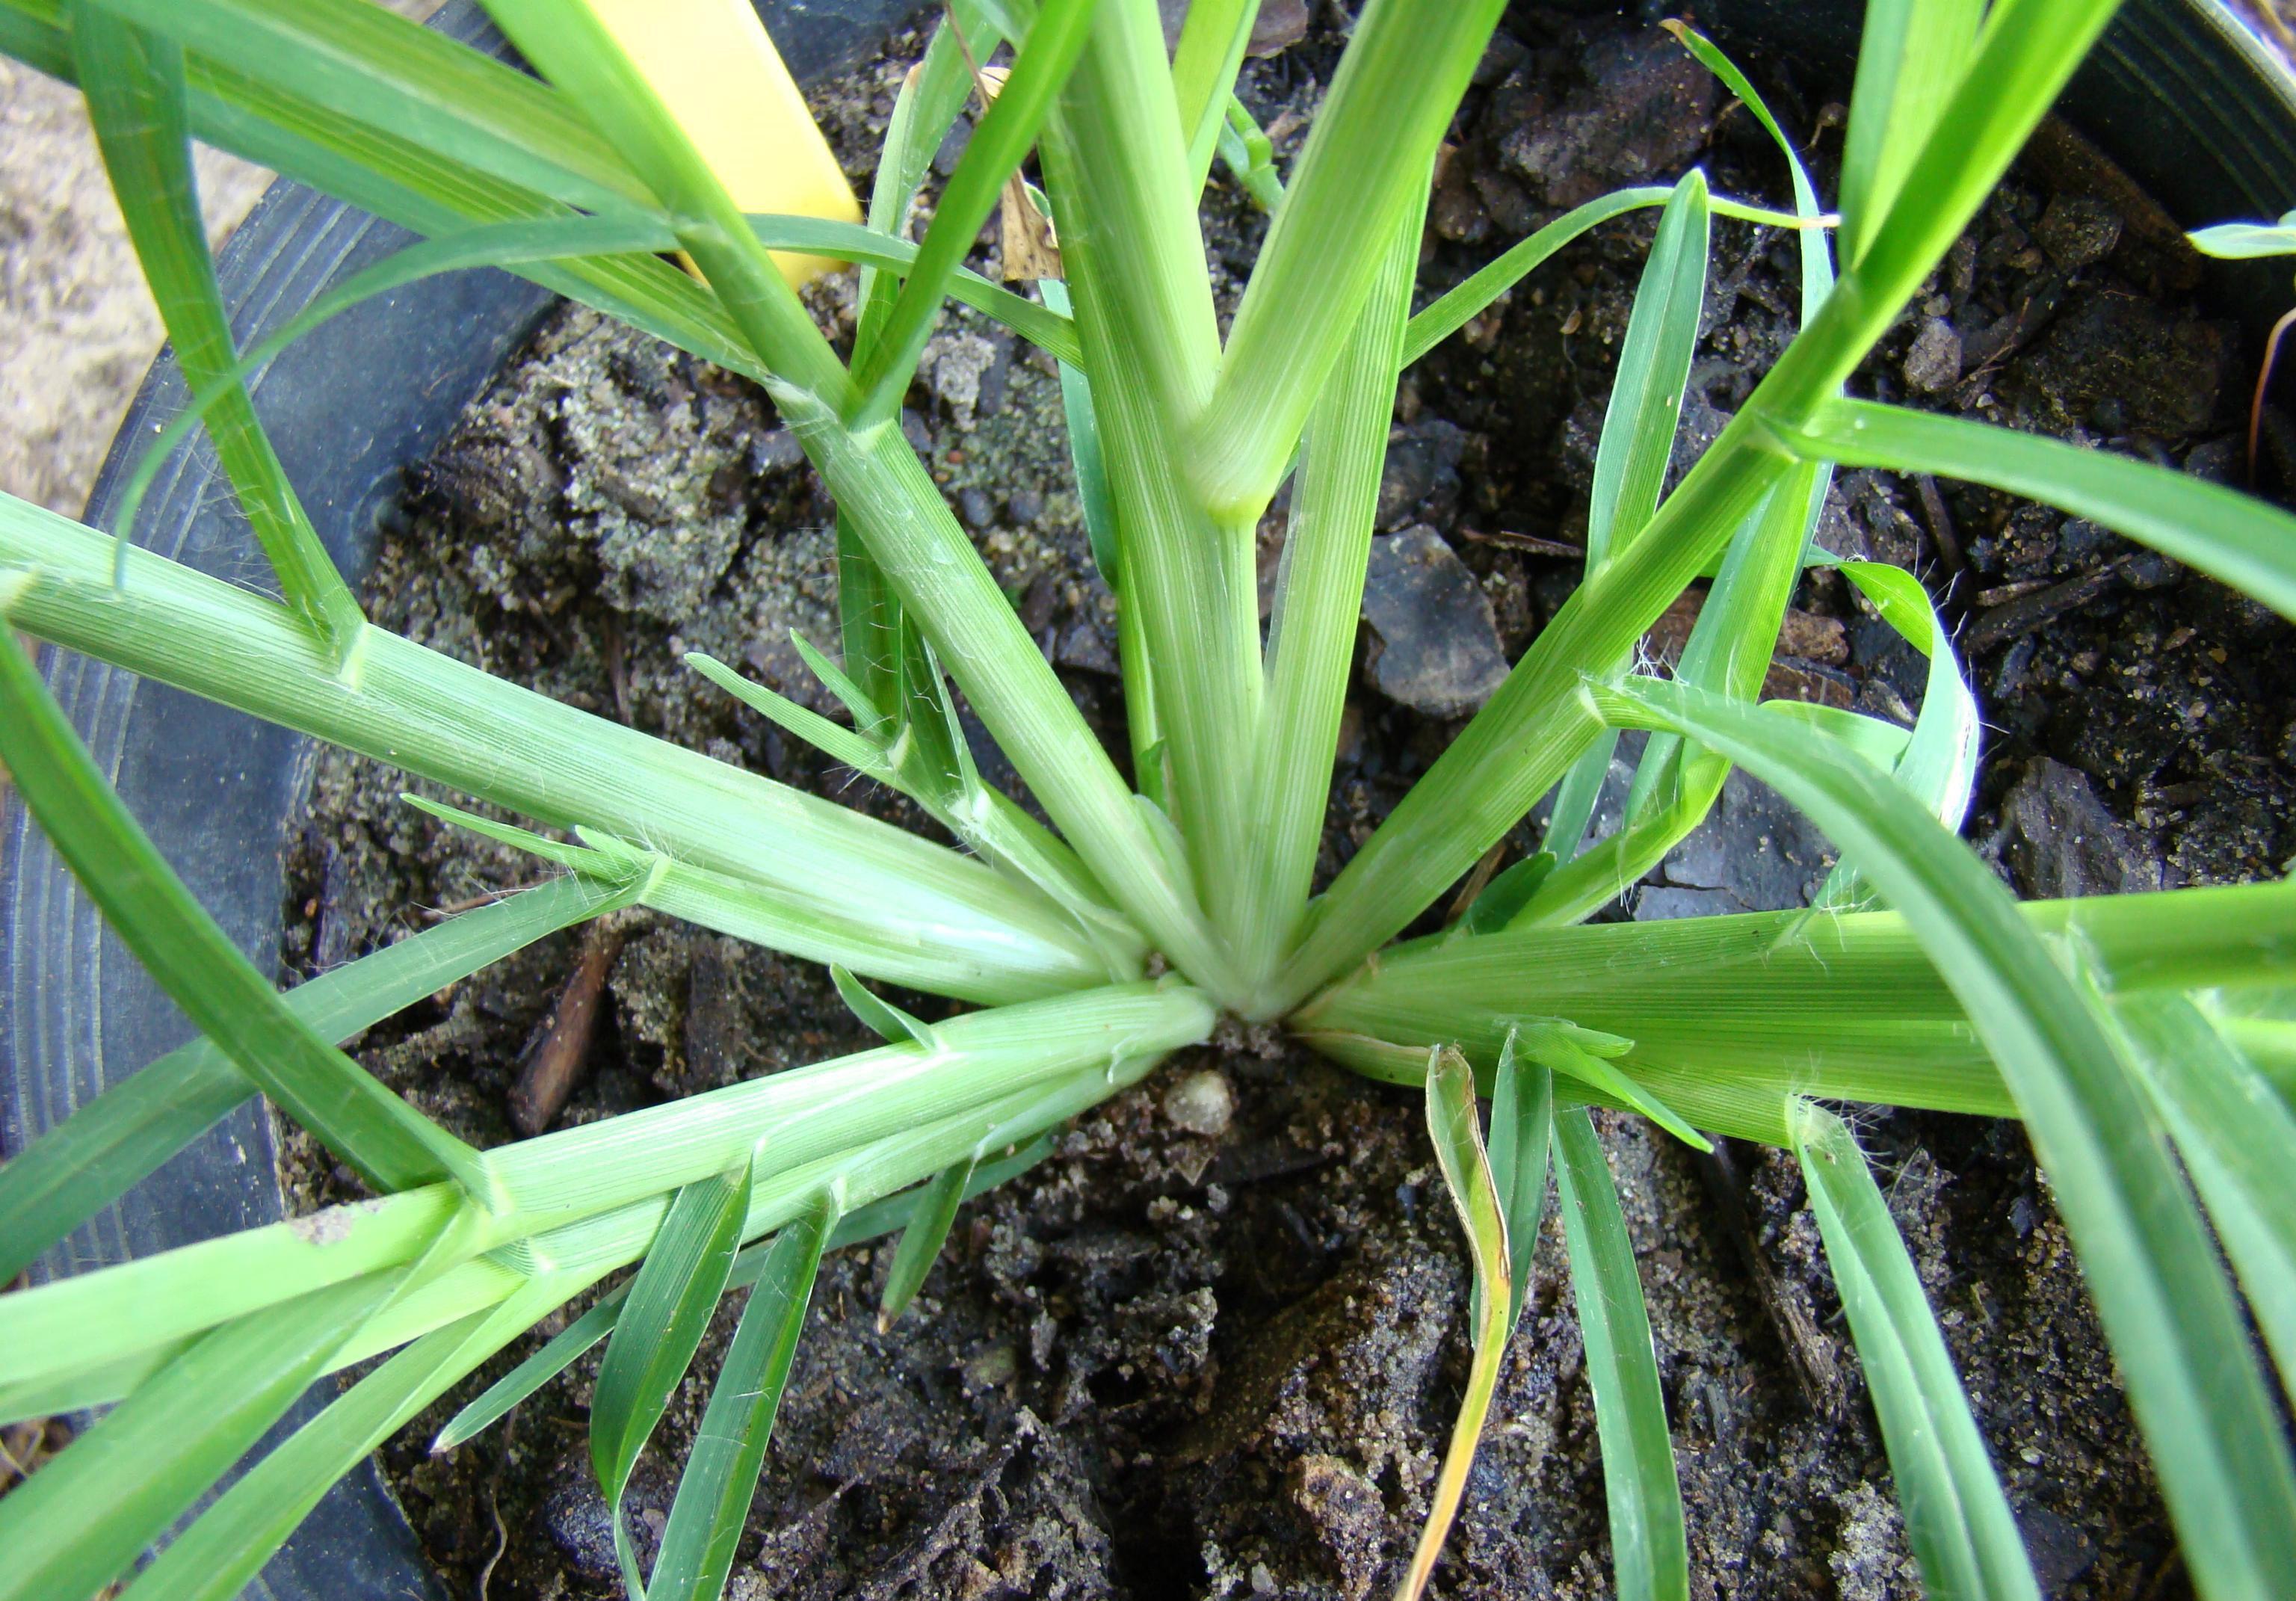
920	1240
2237	1137
659	1328
721	1475
1056	39
134	85
1649	1551
1522	1124
1638	441
1958	1520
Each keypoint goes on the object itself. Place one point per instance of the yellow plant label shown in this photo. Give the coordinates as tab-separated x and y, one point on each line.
719	74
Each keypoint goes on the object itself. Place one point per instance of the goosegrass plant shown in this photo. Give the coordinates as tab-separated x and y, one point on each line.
2147	1042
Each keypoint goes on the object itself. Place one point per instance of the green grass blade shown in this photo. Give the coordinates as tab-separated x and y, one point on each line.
58	1181
1638	441
1555	1051
133	82
1817	249
1645	407
1458	1140
832	740
1250	156
222	1551
1365	164
1312	625
1751	1008
1510	891
1649	1553
878	635
83	1518
573	238
1958	1520
1522	1123
1084	451
922	1241
1938	765
660	1327
2192	1383
858	1227
415	83
1458	306
998	145
505	244
1204	65
2238	1136
1531	731
2244	241
2227	535
721	1474
392	1146
1910	62
926	108
887	1020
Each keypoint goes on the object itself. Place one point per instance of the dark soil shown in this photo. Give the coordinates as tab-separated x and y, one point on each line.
1196	1357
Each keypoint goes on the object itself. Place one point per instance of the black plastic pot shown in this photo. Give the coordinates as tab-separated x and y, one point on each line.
350	408
2179	95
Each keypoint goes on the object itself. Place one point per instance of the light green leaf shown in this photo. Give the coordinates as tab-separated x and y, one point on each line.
1649	1552
1204	63
133	82
1958	1520
873	1221
721	1474
2238	1136
1556	1049
392	1146
2193	1383
662	1324
1938	765
216	1557
2243	240
81	1520
2227	535
1522	1121
1250	155
61	1179
886	1020
1910	62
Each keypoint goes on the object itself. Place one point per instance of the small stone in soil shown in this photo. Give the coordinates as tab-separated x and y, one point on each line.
1440	642
2078	230
2057	838
1201	1102
1933	364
